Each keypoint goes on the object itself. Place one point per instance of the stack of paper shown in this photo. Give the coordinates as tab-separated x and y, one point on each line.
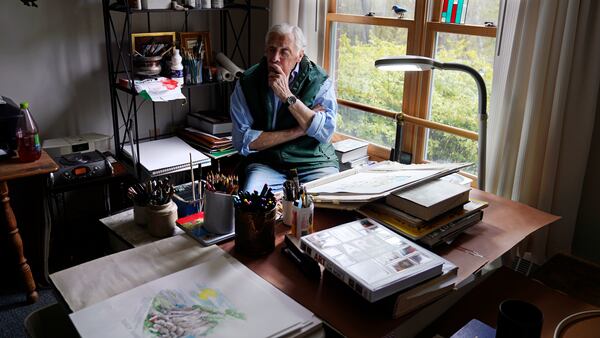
367	184
212	145
204	300
165	156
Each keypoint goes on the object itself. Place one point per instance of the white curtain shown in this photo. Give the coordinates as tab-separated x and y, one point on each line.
543	106
309	15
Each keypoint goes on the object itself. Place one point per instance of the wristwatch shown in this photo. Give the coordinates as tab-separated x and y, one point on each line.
290	100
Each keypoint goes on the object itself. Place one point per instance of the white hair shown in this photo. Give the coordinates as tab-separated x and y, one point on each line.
284	29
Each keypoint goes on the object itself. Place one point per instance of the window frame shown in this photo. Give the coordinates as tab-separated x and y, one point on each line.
421	39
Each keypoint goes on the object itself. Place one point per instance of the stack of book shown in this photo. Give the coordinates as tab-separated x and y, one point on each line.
351	153
431	213
210	122
213	146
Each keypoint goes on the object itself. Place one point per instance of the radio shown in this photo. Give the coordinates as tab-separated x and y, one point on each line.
85	142
79	168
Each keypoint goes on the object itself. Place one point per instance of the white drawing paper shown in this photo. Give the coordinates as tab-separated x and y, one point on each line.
212	299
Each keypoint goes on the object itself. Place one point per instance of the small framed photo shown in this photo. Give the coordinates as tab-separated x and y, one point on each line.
152	44
198	44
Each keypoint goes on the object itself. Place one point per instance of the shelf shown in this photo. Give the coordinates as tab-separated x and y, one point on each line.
118	37
233	6
207	84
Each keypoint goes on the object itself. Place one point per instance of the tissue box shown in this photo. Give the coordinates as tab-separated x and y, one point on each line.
156	4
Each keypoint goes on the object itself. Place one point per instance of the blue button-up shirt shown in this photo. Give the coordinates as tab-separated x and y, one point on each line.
321	127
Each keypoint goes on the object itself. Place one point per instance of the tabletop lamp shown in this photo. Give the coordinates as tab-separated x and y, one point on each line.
410	63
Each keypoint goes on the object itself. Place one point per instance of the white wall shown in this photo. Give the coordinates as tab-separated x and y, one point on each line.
54	57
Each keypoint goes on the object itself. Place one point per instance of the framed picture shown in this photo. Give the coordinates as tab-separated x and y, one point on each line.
190	41
152	44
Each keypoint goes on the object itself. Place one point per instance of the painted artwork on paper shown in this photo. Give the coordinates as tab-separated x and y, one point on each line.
205	300
175	313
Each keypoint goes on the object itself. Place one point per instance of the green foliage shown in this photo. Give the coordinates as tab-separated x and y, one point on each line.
455	95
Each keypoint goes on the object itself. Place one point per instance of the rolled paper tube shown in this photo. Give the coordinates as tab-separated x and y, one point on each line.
229	65
225	74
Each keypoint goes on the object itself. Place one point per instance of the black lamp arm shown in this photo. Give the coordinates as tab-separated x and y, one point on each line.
482	115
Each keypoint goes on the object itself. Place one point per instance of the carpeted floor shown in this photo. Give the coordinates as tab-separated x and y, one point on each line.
14	308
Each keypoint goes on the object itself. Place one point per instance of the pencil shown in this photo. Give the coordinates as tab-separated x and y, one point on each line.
192	173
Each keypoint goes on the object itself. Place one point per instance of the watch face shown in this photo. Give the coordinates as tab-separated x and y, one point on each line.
291	100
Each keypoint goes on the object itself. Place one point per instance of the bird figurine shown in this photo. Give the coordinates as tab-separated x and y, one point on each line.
399	11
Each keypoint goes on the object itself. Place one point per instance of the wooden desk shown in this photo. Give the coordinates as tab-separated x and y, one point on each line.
483	301
504	225
10	170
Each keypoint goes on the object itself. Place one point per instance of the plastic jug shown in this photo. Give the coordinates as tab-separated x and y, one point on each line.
28	138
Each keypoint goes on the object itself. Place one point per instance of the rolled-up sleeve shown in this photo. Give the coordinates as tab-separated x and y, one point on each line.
322	126
242	134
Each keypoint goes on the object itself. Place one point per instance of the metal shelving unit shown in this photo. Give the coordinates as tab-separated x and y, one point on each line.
120	62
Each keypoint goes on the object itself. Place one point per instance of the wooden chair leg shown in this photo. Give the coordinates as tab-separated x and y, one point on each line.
17	242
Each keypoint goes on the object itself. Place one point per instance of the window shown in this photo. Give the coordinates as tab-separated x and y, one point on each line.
369	98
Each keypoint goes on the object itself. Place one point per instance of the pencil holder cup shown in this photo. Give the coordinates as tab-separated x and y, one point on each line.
288	212
302	220
139	215
255	232
218	213
161	219
184	199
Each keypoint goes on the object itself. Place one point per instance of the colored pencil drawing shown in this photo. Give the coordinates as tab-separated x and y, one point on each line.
175	313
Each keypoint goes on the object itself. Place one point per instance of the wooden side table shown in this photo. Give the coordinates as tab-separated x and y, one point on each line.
10	170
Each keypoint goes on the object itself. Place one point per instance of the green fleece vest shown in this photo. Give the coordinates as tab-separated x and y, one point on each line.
304	152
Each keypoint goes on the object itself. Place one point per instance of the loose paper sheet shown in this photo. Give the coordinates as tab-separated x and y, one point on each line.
372	182
159	90
214	298
369	183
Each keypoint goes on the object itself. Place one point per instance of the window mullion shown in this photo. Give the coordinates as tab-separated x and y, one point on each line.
412	102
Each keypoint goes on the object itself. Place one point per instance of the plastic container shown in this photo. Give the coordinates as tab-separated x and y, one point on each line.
29	147
177	67
219	215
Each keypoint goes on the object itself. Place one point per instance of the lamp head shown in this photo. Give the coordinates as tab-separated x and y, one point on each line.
407	63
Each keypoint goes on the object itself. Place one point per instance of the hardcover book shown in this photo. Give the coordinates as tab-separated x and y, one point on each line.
431	199
354	163
475	328
373	260
425	292
210	123
350	149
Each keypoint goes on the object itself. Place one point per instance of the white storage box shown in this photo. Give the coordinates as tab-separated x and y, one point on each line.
156	4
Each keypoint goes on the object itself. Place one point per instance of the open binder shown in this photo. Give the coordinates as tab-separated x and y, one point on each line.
166	156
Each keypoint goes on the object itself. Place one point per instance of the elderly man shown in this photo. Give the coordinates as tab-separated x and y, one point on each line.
283	111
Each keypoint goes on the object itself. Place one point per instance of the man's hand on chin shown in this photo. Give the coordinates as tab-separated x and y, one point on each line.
278	81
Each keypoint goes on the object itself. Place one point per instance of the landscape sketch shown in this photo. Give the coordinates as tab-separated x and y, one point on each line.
174	313
213	299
